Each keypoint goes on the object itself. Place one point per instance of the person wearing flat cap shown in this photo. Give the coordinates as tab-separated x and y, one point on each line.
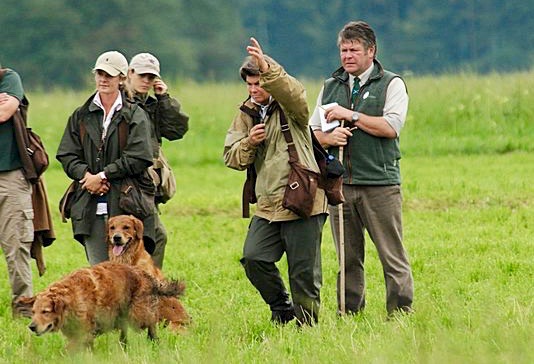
167	120
106	140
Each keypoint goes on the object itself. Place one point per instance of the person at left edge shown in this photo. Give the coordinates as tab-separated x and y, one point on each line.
16	211
95	159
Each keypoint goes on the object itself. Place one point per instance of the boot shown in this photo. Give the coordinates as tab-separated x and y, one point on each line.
282	317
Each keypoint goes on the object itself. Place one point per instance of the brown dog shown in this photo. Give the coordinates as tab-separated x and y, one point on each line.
91	301
125	245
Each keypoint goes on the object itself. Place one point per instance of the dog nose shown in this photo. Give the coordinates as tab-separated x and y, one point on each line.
33	326
116	238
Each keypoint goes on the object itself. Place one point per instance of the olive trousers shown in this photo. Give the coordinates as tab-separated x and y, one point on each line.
377	209
16	231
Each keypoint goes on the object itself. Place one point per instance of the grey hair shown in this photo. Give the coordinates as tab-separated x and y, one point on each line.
358	31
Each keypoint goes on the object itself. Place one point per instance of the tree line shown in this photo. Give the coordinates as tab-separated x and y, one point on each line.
55	42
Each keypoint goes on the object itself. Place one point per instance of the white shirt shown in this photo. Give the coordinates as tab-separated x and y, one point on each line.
117	105
395	107
102	207
263	108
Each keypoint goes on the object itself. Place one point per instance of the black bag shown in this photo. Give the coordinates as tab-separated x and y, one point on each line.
331	173
137	196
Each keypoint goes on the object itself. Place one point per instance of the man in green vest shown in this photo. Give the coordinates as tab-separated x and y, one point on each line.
370	106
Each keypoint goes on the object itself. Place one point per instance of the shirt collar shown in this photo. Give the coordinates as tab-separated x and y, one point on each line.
363	77
117	105
263	108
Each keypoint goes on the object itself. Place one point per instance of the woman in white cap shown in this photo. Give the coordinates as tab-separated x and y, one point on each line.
105	141
167	121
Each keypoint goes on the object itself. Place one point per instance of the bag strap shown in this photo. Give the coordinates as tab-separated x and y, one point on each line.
249	195
22	139
291	149
23	145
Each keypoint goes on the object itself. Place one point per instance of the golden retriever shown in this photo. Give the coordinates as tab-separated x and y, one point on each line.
125	245
91	301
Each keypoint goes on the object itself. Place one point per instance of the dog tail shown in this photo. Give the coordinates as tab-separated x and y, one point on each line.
169	288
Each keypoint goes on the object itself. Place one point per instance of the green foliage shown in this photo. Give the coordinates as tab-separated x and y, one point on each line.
468	215
54	43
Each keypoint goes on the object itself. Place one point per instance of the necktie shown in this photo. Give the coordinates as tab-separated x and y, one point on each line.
355	90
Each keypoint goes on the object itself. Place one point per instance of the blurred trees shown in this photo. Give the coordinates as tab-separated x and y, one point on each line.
55	42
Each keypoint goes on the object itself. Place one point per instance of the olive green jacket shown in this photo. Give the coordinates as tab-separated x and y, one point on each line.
271	157
167	120
78	156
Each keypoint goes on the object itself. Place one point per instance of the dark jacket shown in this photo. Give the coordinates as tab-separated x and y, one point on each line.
167	120
78	156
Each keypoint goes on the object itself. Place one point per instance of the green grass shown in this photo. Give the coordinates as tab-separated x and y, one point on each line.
468	217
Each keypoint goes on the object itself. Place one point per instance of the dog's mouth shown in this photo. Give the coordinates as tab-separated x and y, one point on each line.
34	327
119	246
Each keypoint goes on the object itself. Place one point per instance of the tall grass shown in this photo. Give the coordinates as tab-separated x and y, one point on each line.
468	214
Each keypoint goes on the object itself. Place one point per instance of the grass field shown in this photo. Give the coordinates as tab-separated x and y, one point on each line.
468	166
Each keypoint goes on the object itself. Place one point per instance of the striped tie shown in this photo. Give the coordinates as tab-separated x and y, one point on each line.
355	90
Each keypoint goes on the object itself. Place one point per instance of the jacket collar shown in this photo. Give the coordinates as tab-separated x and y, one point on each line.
342	76
252	109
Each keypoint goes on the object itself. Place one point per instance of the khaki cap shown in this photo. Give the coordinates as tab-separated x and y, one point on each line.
113	63
145	63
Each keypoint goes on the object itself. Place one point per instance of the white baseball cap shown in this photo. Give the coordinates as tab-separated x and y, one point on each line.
145	63
113	63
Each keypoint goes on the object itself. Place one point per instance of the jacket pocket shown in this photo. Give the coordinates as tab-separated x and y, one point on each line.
27	226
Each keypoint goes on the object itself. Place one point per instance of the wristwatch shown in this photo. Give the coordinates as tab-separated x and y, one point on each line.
102	176
355	117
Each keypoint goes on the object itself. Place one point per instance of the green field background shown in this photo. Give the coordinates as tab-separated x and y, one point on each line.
468	167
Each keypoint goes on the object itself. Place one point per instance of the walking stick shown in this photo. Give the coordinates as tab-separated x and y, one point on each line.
341	246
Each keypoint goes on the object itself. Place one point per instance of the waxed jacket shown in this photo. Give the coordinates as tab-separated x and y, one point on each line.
167	120
271	158
78	156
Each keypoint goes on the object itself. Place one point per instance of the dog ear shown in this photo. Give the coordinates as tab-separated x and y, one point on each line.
139	229
59	305
59	309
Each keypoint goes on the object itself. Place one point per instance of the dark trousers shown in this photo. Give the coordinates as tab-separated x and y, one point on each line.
160	243
377	209
96	244
300	239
